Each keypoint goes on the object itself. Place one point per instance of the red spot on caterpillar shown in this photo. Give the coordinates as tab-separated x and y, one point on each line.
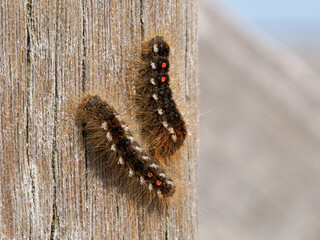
158	182
163	65
150	174
163	79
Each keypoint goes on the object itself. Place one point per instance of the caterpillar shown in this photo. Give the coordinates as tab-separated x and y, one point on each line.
106	132
163	126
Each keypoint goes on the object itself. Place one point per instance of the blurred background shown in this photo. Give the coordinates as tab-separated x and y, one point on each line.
259	168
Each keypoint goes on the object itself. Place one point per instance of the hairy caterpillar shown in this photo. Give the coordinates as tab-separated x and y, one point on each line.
107	133
163	126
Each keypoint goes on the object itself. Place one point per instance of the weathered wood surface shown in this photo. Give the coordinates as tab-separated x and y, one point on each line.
51	51
260	136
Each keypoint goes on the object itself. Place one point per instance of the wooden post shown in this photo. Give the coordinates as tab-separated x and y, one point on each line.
52	51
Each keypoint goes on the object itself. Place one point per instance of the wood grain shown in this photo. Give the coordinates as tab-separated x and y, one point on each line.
51	52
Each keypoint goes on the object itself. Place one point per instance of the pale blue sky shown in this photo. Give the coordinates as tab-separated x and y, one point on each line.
280	17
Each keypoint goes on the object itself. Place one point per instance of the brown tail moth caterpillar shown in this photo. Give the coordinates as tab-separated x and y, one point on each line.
163	126
107	133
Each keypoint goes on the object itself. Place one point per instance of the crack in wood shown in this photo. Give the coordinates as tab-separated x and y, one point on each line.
29	26
141	19
55	218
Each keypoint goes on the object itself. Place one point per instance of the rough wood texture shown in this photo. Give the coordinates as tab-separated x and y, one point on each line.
52	51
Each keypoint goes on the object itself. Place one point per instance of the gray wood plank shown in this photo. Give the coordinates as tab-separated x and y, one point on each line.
51	53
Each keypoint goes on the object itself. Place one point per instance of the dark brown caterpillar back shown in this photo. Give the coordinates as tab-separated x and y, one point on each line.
107	133
163	126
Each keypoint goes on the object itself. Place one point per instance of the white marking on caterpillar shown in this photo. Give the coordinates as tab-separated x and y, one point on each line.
165	124
159	193
152	81
113	147
142	181
155	48
131	139
171	130
109	137
155	166
155	97
138	149
130	172
150	187
162	175
160	111
174	137
153	65
104	126
145	158
169	182
126	129
120	161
